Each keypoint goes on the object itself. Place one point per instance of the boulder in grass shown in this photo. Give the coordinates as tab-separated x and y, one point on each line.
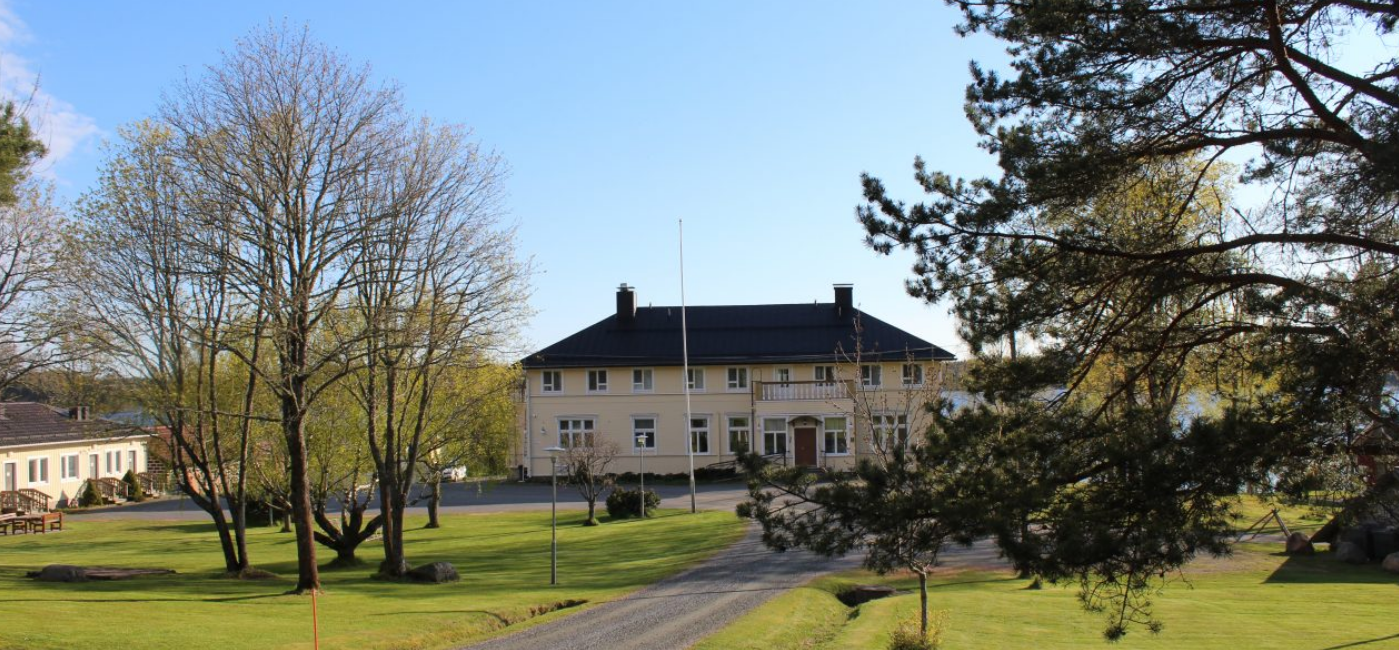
62	573
1351	553
1391	562
435	572
1299	544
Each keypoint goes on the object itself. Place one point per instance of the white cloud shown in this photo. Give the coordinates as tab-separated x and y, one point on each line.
60	126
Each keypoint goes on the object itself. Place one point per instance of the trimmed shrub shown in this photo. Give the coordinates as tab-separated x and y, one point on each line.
91	496
133	487
624	503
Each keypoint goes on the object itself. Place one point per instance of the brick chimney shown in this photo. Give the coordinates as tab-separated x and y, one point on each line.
845	299
626	305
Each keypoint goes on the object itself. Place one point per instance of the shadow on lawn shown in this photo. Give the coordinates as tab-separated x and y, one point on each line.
1357	644
1324	568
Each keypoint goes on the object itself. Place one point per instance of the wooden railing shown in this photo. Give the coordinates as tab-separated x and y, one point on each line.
788	391
111	489
154	482
24	501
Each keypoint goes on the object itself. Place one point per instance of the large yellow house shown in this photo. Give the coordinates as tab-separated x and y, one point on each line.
813	384
53	450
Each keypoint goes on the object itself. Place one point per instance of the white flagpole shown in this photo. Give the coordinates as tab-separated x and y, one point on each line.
685	379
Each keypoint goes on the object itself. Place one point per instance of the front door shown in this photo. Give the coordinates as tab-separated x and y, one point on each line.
805	443
10	478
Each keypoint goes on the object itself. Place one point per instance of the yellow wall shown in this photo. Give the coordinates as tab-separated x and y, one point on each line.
61	489
612	412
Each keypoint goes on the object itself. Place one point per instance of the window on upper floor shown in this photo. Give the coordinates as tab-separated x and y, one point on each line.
913	374
782	375
551	381
825	373
871	375
643	380
696	379
738	379
597	381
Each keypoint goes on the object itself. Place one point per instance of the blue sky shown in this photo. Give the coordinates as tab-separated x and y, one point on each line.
750	121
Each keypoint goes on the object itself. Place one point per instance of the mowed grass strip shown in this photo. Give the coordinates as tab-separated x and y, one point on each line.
1256	598
503	560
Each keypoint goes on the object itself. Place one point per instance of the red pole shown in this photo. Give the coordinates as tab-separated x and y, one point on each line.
315	624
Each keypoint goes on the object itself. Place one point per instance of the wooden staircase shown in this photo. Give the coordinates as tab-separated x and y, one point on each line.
113	490
24	501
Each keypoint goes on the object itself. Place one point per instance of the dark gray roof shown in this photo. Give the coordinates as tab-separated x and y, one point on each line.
805	333
30	423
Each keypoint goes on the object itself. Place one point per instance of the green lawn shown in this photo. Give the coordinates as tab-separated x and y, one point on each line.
503	560
1256	598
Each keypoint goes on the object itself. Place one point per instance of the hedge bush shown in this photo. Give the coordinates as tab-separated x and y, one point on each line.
624	503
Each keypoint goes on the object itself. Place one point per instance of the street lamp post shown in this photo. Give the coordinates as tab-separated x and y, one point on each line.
554	516
641	462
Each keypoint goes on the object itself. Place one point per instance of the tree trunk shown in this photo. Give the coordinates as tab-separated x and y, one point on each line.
592	510
434	501
308	575
923	602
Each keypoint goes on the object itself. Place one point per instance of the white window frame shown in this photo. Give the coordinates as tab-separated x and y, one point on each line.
832	446
773	435
113	462
746	428
586	427
131	459
782	375
597	381
918	374
647	377
637	429
824	374
695	379
94	464
888	428
551	387
737	379
42	464
68	462
701	433
871	375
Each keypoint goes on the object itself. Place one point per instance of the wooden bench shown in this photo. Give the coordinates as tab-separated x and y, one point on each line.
50	521
7	522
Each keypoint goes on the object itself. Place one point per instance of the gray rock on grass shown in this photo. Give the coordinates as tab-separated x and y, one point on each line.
435	572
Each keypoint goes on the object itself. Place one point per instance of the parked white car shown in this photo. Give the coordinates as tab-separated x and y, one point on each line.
454	474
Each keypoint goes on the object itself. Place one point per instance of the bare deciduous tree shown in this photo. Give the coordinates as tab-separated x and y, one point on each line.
169	316
586	469
281	140
437	288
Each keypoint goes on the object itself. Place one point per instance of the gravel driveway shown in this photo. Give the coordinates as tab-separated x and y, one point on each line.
679	611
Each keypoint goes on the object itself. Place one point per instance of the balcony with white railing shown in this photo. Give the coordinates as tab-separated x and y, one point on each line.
802	391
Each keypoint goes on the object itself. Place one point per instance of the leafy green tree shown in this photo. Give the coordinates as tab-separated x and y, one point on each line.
31	238
1114	247
20	149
